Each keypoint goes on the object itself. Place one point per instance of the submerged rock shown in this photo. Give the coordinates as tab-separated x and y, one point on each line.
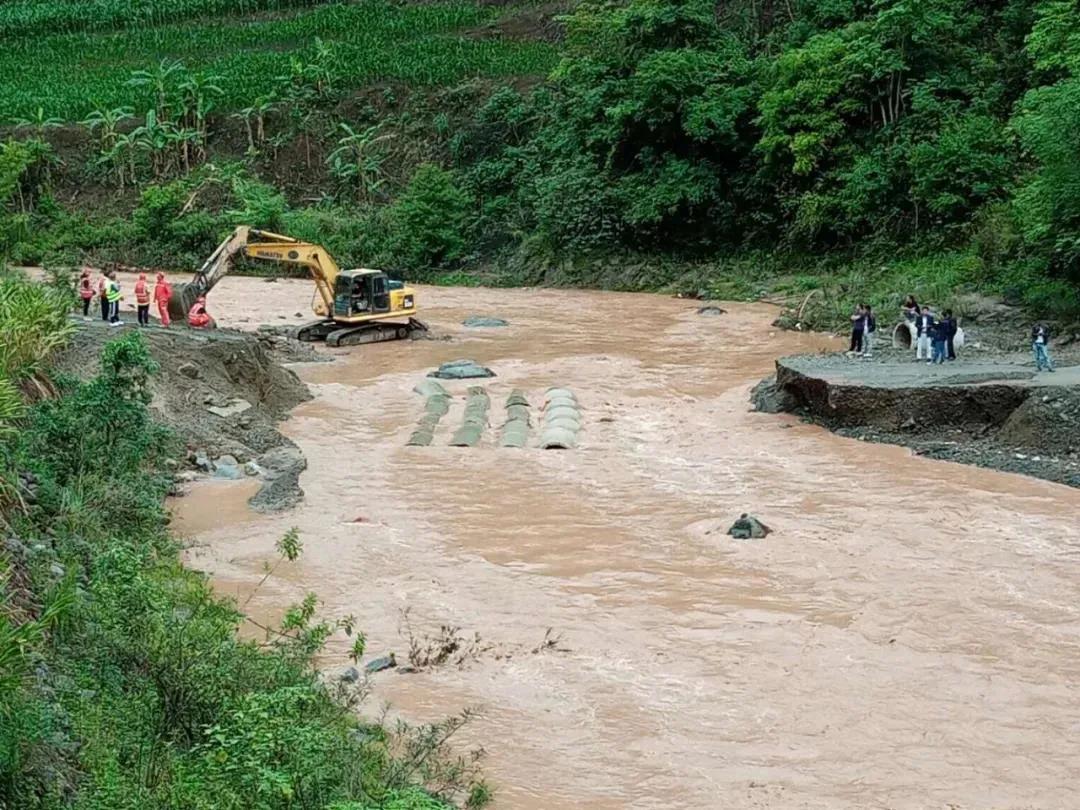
483	322
711	311
748	527
461	370
379	664
349	675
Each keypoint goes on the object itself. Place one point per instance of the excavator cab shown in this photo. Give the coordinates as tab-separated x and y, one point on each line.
361	292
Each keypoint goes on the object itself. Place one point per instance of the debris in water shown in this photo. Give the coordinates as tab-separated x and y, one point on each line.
349	675
748	527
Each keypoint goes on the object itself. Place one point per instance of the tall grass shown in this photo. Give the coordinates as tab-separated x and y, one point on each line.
34	324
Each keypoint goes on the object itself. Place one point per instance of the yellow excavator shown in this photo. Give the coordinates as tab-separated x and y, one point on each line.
353	306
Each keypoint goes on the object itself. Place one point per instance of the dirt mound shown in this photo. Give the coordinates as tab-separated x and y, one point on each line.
221	391
1048	423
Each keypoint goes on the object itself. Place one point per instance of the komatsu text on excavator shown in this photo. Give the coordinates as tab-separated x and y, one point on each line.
354	306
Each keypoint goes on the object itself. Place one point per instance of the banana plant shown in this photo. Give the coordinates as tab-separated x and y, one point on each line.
104	122
197	94
358	160
39	122
159	79
153	137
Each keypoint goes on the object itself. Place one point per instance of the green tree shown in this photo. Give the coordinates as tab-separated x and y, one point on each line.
431	220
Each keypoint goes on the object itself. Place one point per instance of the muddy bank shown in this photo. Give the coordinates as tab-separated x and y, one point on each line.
996	413
223	392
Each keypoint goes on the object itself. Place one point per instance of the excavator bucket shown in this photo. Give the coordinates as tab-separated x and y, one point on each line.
212	271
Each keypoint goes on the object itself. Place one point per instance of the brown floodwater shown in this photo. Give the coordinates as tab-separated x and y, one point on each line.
908	637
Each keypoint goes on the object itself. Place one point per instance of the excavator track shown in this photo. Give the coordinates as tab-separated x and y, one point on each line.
374	333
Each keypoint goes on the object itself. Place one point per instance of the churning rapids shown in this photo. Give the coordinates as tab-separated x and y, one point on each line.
908	637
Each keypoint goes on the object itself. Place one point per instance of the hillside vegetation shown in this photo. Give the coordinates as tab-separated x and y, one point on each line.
869	146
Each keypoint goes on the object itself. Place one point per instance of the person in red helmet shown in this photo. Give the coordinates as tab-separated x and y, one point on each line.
162	294
198	317
142	300
86	292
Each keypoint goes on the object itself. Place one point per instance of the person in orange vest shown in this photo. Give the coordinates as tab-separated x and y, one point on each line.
86	292
142	300
103	294
198	317
162	294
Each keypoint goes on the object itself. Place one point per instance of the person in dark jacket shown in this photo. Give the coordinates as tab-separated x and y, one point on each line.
924	328
950	332
858	320
910	309
939	334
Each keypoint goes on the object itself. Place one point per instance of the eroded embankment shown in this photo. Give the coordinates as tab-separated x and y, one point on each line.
223	393
998	415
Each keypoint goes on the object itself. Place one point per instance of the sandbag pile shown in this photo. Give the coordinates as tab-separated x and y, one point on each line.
475	419
562	420
515	430
436	406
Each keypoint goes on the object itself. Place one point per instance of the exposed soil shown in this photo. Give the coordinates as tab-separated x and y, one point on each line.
222	369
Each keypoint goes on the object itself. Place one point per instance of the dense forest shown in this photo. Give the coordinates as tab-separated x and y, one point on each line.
648	133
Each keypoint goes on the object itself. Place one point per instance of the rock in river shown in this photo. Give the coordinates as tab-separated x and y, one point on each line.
483	322
748	527
461	370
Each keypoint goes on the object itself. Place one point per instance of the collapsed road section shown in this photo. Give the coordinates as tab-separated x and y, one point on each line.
1001	415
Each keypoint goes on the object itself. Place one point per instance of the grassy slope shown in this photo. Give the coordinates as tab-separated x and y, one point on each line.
69	74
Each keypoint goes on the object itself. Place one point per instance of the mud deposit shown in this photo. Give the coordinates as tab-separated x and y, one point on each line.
223	392
908	636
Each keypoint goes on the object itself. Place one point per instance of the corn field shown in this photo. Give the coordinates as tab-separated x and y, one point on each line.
85	64
36	17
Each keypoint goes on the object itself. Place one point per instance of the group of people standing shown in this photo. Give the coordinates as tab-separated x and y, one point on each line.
933	337
107	290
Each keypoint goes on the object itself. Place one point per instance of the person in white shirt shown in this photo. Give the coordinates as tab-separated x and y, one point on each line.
1040	345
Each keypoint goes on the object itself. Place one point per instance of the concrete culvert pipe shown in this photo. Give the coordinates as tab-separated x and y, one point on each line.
558	439
903	336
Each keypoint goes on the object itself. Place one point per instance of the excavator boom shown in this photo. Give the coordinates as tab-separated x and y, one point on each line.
356	306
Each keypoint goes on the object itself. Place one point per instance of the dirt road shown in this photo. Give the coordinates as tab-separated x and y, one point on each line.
908	637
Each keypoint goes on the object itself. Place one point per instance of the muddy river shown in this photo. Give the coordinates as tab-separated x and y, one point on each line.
908	637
